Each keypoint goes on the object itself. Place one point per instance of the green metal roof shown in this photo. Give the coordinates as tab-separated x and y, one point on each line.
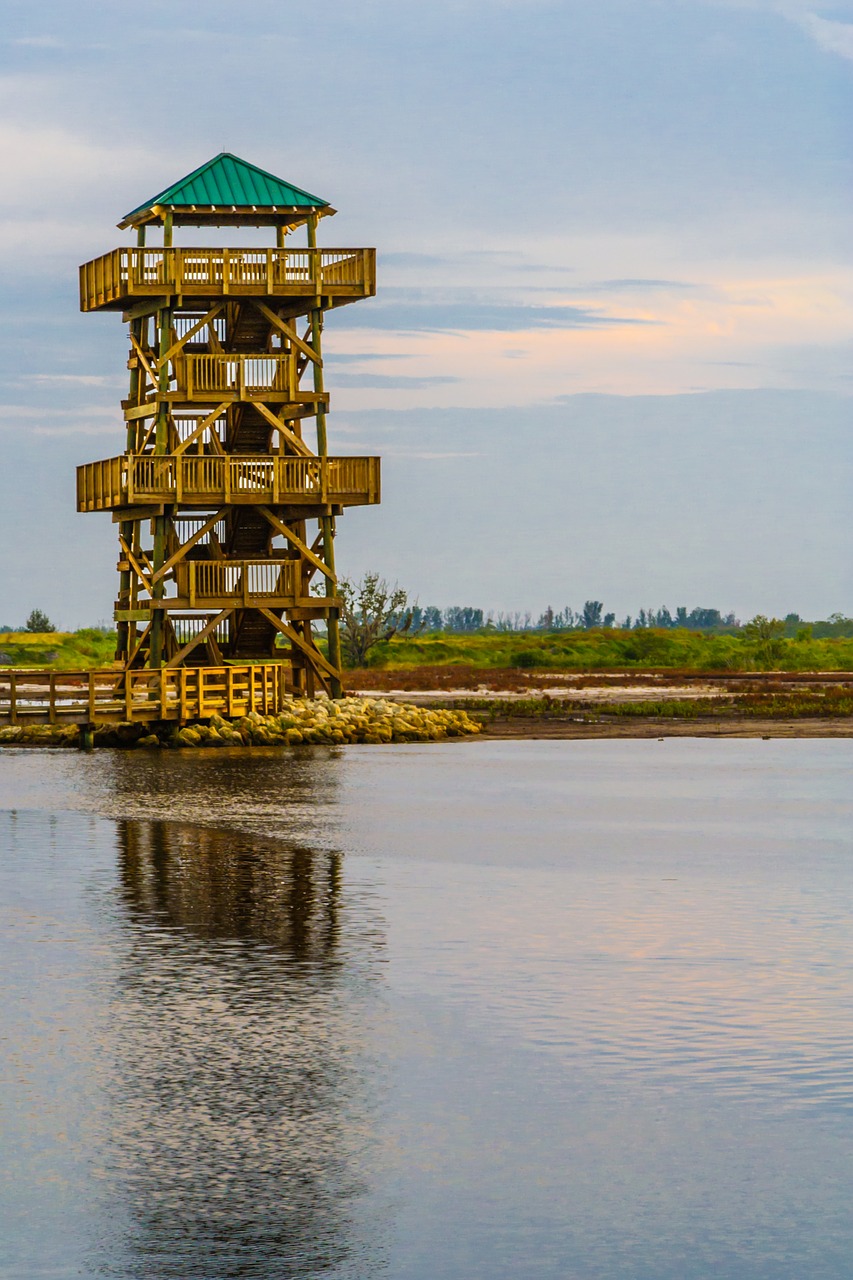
224	183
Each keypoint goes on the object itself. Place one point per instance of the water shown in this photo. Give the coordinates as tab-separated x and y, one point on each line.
559	1009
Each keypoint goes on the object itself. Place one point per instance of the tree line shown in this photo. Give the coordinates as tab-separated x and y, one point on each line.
464	618
372	612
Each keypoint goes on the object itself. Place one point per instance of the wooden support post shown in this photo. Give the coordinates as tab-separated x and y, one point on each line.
158	588
126	528
333	633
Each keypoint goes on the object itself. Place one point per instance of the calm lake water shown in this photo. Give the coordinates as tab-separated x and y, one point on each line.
564	1010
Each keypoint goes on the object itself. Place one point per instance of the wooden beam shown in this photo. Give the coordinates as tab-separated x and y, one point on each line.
147	410
285	328
299	445
121	514
134	564
201	428
179	345
139	643
144	358
297	542
177	658
189	544
313	654
146	307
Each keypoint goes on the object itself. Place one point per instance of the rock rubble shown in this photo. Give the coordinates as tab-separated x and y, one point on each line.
321	721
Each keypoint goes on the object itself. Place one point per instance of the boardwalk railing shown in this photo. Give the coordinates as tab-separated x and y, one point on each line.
110	697
123	274
201	479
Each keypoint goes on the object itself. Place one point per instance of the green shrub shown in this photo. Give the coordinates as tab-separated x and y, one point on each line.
530	658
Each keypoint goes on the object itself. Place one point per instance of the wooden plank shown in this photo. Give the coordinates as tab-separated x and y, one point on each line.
132	615
133	412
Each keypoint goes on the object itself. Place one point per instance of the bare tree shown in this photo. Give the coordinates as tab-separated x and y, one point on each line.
371	611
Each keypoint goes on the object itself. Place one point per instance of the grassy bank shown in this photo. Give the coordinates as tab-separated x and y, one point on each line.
609	649
438	658
58	650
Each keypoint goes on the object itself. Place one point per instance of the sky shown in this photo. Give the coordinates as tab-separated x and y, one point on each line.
609	356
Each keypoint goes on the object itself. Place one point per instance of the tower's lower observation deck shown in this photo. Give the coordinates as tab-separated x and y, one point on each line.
229	584
117	280
199	480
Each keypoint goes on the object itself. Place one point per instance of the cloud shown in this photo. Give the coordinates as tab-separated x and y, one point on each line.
46	165
459	313
73	379
88	420
356	357
428	456
630	285
834	37
39	42
390	382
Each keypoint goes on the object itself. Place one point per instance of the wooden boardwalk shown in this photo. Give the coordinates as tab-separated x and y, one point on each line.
110	697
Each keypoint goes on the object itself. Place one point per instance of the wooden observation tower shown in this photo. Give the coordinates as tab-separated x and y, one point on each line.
226	496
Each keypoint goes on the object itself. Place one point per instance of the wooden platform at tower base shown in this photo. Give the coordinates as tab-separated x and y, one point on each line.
109	697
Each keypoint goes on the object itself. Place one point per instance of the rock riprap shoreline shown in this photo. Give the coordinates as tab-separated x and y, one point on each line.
318	722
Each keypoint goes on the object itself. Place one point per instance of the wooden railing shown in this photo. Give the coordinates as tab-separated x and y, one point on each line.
199	479
204	582
98	697
341	274
218	378
223	584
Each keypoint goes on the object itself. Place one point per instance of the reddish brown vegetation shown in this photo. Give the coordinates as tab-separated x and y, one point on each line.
439	679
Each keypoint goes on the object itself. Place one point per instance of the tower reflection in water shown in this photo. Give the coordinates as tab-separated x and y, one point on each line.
244	1015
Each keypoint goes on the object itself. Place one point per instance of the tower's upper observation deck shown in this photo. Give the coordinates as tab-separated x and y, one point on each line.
116	280
228	191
